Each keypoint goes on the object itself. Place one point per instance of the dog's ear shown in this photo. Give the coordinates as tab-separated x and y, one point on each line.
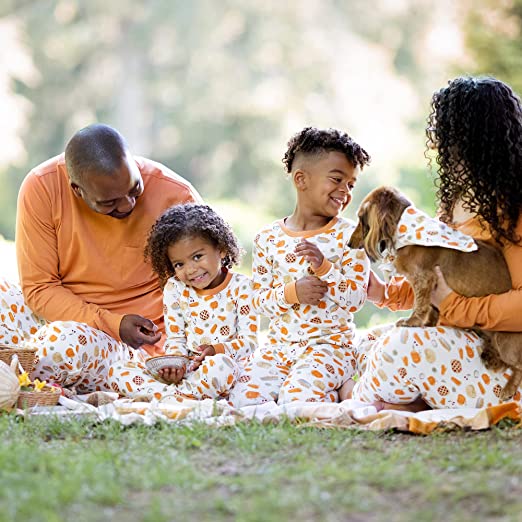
373	226
387	207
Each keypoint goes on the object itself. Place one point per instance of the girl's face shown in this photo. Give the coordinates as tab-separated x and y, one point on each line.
197	262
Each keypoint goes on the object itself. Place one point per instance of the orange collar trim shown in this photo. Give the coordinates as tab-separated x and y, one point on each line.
217	289
307	233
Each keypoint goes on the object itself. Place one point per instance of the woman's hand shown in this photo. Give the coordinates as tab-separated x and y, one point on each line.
441	290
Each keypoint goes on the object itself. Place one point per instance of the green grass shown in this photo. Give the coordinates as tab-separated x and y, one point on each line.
75	470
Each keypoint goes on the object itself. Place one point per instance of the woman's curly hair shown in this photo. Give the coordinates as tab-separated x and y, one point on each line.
312	141
189	220
476	127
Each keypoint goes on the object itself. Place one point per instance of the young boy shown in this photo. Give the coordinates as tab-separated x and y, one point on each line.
307	280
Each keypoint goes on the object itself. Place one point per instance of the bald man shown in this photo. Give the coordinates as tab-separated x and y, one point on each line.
89	298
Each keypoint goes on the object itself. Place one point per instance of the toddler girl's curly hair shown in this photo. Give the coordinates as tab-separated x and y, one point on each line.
312	141
189	220
475	126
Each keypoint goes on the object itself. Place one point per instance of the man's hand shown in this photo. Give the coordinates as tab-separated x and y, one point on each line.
310	290
207	350
135	330
310	252
172	375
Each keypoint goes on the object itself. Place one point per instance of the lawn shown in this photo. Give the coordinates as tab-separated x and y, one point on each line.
76	470
53	471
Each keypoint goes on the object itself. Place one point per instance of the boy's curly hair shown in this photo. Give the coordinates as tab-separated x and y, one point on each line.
476	127
312	141
189	220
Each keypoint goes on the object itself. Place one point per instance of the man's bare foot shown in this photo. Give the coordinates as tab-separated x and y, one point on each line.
345	391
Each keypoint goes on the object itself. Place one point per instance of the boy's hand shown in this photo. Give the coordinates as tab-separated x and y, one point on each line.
207	350
310	252
376	288
172	375
310	290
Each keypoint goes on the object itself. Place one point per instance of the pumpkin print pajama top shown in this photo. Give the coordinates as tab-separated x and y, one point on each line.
223	317
309	350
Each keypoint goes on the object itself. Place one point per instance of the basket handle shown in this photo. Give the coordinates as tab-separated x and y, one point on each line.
15	365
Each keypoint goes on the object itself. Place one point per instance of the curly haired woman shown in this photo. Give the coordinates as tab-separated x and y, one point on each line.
475	126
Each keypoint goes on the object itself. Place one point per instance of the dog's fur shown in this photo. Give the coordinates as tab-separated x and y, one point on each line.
477	273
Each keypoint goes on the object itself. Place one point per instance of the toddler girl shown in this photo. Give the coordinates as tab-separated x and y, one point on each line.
208	309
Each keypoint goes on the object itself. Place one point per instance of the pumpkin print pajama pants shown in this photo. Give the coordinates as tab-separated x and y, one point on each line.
294	372
70	354
212	380
74	354
442	365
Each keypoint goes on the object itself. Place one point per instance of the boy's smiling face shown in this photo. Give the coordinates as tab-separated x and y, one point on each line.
325	183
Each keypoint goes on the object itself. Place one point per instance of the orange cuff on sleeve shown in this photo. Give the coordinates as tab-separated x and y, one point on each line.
219	347
110	324
324	268
291	293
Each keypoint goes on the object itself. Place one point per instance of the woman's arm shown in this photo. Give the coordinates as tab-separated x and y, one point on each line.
496	312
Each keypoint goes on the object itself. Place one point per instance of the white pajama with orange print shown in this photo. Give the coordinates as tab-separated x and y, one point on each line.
223	317
309	352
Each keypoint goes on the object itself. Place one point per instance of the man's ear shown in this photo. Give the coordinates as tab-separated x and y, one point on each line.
76	189
299	178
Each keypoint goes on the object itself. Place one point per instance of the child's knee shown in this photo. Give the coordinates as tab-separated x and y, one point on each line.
220	372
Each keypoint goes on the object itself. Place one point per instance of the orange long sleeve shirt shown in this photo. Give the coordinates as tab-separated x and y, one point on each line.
75	264
496	312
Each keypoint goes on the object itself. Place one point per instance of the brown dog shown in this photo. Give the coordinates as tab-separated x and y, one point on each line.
472	274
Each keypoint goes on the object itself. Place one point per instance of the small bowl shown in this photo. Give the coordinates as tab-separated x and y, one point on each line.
155	364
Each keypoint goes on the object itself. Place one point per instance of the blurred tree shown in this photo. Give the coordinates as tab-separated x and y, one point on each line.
208	88
214	89
493	39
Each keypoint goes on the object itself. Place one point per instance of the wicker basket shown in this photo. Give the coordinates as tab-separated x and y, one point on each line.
26	356
47	397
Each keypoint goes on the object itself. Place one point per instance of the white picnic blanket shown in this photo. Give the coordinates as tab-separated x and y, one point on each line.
347	414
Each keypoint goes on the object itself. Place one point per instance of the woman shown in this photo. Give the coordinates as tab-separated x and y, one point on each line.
475	126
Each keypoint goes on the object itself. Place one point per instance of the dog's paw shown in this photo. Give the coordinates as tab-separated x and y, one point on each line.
509	390
492	360
411	322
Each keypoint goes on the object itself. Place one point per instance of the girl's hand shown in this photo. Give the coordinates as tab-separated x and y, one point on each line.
172	375
376	288
310	252
207	350
441	290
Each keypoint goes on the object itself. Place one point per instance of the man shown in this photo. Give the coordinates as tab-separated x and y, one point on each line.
82	221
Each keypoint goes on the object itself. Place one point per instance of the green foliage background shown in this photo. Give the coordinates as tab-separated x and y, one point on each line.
214	89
